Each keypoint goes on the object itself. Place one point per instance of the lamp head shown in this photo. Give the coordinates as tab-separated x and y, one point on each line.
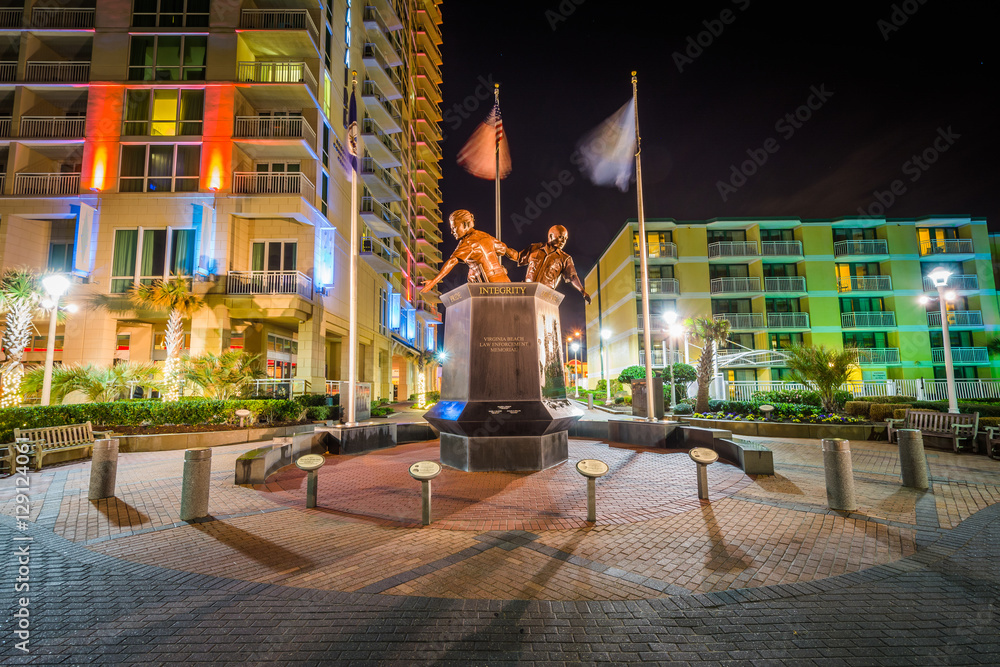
606	334
939	276
574	347
924	300
670	317
71	308
676	330
950	296
56	285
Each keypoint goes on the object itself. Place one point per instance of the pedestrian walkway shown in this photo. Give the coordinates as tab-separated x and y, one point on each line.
509	571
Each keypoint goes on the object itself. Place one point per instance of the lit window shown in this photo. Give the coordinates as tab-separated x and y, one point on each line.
61	257
160	168
148	251
167	58
163	112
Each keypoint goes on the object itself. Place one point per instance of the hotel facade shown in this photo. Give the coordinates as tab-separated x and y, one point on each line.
143	139
786	281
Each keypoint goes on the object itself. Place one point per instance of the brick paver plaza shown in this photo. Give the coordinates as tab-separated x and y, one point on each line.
510	571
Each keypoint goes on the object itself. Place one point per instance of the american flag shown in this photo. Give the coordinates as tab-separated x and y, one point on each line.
478	156
496	121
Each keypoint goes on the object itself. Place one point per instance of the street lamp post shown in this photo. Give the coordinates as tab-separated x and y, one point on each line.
576	374
56	285
940	277
606	371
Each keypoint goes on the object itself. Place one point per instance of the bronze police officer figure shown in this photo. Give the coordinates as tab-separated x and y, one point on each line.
478	249
548	264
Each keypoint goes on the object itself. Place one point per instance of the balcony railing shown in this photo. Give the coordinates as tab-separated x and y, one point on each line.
785	284
946	247
742	320
780	248
57	71
273	127
878	356
864	284
369	166
732	249
659	250
968	282
278	19
788	320
8	70
62	17
962	355
52	127
660	286
273	71
10	17
269	282
257	183
5	126
724	285
877	319
956	318
47	184
372	206
867	247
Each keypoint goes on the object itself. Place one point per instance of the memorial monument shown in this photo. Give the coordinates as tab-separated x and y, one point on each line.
503	397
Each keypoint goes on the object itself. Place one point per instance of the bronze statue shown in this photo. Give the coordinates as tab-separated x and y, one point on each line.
549	265
478	249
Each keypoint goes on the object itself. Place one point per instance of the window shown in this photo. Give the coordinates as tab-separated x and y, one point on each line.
729	271
867	339
873	304
720	306
160	344
160	168
167	58
780	341
660	271
40	344
782	306
932	239
961	373
148	251
273	256
780	270
383	311
738	342
163	112
170	13
858	269
854	234
777	235
123	341
61	257
957	338
282	355
237	340
726	235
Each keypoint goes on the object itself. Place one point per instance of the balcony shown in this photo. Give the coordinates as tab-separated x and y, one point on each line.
291	32
52	127
784	284
380	182
866	248
47	184
962	355
864	284
742	321
381	109
388	12
936	248
381	35
967	282
274	127
8	71
380	145
5	127
379	218
57	71
431	193
778	249
956	318
258	183
430	147
878	356
279	72
868	319
427	45
666	286
66	18
734	285
378	255
269	282
788	320
426	85
659	250
741	357
732	249
381	72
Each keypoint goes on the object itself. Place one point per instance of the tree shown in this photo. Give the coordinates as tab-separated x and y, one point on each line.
20	293
710	332
222	376
421	361
683	374
828	369
175	297
98	383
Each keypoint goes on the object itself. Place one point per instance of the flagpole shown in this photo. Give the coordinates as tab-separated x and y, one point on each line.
352	335
643	263
496	151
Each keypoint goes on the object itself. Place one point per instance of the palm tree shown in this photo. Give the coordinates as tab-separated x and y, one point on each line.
98	383
710	332
222	376
828	369
20	293
174	296
421	361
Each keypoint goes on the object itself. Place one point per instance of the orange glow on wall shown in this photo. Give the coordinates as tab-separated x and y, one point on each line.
217	147
104	120
100	167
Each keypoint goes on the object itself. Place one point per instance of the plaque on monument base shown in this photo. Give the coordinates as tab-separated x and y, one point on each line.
503	396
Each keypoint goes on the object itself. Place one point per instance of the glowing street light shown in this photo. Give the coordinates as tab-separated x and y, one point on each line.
939	277
55	285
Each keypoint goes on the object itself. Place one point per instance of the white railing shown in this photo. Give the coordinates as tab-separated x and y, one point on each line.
742	320
956	318
51	127
864	284
676	356
10	17
262	183
722	285
921	389
780	248
5	126
269	282
659	250
273	127
966	282
732	249
280	387
878	356
784	284
867	247
8	70
660	286
751	358
56	71
273	71
868	319
278	19
788	320
46	184
937	390
62	17
946	247
962	355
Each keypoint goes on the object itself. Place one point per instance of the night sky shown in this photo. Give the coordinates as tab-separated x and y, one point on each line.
886	80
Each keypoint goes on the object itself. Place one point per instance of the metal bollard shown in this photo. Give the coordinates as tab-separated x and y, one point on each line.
704	457
592	469
912	461
839	474
194	490
424	472
103	469
311	463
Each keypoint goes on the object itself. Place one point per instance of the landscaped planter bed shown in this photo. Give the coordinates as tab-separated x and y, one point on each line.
789	430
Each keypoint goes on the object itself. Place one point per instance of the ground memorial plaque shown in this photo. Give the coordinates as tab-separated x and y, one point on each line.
703	457
592	469
311	463
423	470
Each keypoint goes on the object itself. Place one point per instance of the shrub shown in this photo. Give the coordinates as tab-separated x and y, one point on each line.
984	409
805	396
899	414
989	421
881	411
623	400
683	409
318	413
314	400
860	408
886	399
634	373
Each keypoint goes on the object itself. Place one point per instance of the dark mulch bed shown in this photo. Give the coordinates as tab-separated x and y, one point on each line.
185	428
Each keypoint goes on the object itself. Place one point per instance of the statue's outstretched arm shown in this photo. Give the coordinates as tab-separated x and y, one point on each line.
569	273
445	270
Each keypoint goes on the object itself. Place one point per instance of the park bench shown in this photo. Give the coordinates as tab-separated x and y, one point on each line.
52	439
938	425
992	442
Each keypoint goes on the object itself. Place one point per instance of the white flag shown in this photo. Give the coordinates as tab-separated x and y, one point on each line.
608	152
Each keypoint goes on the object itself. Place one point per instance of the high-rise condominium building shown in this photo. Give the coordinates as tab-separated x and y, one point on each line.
144	139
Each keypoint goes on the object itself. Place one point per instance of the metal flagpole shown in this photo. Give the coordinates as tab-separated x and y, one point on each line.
643	263
496	151
352	336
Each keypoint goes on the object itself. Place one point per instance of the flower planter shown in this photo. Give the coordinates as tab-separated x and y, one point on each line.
789	429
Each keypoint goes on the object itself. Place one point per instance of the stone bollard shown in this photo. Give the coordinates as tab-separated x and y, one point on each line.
912	461
839	474
103	469
197	474
590	401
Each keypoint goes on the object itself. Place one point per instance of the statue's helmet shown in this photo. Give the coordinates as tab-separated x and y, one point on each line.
462	222
558	236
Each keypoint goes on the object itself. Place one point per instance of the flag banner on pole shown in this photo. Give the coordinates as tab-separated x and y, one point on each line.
608	151
478	156
352	132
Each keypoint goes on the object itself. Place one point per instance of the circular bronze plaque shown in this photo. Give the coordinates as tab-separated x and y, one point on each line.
703	455
423	470
592	468
310	461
